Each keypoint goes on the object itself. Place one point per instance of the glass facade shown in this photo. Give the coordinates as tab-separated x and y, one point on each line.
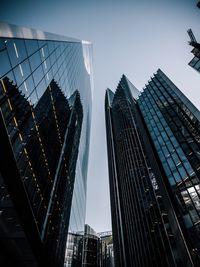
142	235
90	249
45	99
174	126
195	62
106	249
91	242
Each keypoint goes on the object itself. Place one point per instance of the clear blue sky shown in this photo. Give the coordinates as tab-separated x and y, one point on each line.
131	37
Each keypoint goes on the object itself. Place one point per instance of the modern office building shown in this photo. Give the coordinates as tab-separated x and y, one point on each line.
106	249
97	249
153	154
74	250
195	62
90	249
45	102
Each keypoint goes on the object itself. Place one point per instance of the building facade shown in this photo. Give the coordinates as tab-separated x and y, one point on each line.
106	249
90	249
97	249
195	62
173	123
45	101
153	140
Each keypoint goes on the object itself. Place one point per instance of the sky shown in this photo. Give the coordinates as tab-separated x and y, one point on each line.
129	37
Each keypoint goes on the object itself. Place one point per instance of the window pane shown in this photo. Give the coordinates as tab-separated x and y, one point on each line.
4	63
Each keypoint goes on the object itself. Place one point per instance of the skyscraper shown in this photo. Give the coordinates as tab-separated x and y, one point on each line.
90	249
153	156
45	101
195	62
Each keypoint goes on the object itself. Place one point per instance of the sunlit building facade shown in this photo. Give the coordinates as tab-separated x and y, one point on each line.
45	100
154	164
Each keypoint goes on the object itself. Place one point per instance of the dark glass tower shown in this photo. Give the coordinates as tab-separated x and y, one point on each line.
195	62
153	141
97	249
91	248
45	101
174	125
106	249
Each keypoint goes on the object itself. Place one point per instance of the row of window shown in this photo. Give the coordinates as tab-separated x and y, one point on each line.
175	163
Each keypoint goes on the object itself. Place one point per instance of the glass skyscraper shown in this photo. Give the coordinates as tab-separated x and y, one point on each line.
97	249
45	101
153	152
195	62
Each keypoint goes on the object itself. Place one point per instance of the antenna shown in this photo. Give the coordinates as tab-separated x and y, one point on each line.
192	37
193	42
